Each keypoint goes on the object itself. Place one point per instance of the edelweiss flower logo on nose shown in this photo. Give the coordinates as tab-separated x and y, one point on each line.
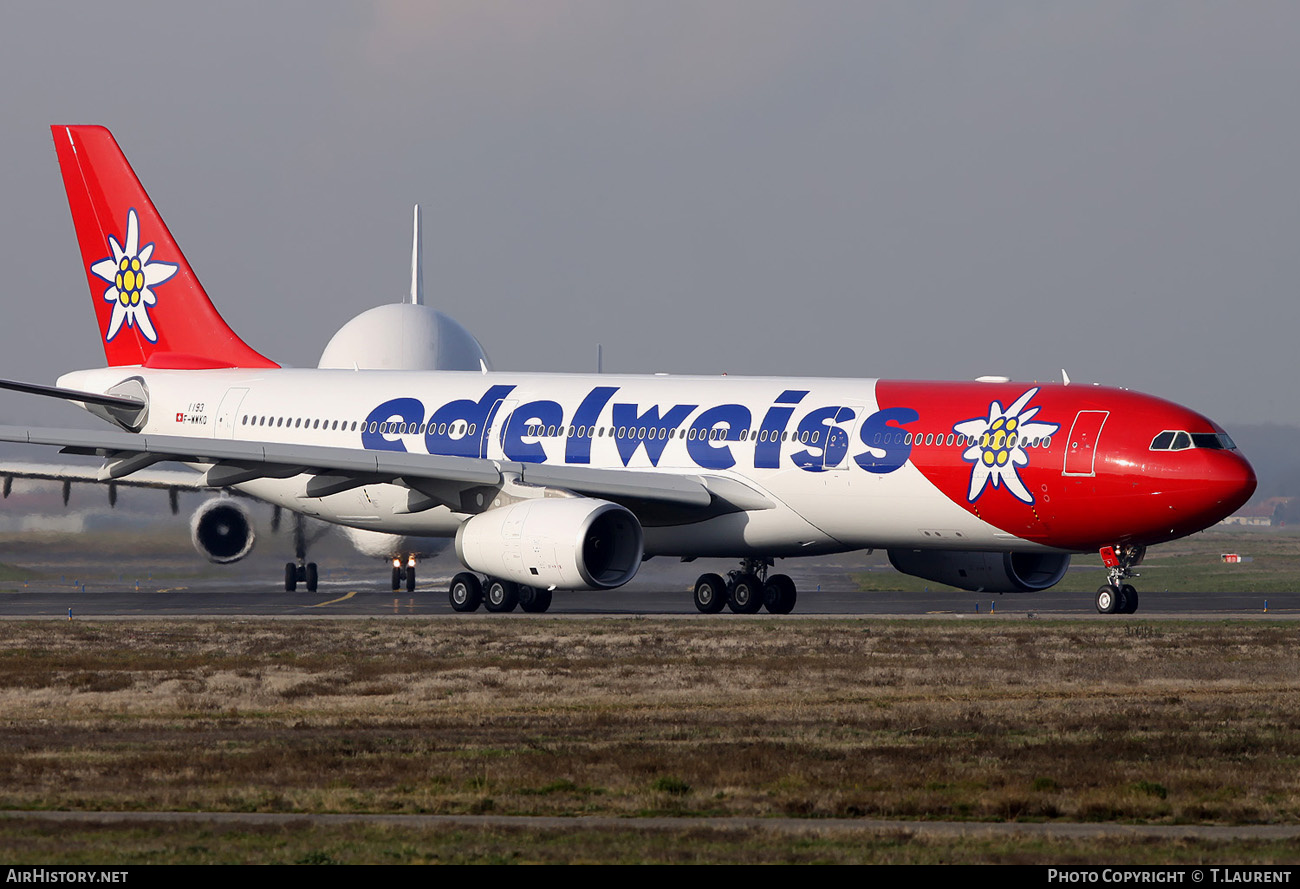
130	275
1000	445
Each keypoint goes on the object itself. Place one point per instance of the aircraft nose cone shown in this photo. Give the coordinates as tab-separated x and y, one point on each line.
1188	491
1236	482
1226	482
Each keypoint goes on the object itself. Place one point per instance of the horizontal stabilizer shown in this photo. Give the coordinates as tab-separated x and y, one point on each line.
75	395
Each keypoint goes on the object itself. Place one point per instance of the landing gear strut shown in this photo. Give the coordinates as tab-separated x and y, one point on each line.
746	590
1118	597
300	571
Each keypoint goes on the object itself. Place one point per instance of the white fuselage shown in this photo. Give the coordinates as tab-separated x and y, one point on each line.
803	445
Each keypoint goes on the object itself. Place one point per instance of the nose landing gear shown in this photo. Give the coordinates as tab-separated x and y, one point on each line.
1118	597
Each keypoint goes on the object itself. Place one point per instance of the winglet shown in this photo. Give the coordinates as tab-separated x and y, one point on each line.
149	303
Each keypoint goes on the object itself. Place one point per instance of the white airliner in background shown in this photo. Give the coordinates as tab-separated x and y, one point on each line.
568	481
403	336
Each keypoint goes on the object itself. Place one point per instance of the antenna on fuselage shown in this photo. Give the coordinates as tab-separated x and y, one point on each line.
1065	377
600	359
417	266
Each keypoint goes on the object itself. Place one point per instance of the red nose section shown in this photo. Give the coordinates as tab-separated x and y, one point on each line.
1170	494
1210	494
1084	466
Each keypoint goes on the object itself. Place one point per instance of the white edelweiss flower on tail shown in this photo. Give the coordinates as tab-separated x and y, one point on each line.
999	446
131	277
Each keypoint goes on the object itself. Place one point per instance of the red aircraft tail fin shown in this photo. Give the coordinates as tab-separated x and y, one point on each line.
152	310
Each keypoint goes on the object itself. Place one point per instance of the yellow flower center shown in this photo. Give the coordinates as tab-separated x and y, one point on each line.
129	281
997	443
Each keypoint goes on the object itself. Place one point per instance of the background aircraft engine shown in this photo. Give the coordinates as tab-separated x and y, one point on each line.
222	530
570	543
983	572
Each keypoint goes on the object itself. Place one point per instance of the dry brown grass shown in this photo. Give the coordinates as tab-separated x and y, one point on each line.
980	719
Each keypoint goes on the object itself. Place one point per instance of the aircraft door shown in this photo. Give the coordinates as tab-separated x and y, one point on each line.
227	413
1081	449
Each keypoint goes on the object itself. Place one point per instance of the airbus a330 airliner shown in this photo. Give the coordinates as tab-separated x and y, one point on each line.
569	481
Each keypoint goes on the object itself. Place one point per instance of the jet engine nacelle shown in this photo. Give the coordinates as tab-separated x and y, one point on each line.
983	572
222	530
570	543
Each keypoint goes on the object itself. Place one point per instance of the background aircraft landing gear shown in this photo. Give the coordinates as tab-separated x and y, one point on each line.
301	571
1118	597
404	574
296	574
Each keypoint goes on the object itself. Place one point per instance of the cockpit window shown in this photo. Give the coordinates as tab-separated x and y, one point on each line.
1177	440
1218	441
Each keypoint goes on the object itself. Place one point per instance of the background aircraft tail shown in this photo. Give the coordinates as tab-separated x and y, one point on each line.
151	308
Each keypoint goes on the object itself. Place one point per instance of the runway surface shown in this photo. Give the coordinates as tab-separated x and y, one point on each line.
823	592
146	574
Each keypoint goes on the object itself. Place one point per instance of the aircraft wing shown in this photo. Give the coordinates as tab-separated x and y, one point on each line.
182	479
441	479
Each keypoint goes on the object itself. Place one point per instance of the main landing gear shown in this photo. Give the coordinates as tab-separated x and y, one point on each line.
467	592
1118	597
746	590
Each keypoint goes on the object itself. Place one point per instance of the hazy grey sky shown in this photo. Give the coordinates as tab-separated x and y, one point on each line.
934	190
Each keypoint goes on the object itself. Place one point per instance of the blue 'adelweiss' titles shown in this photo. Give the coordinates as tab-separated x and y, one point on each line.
710	430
